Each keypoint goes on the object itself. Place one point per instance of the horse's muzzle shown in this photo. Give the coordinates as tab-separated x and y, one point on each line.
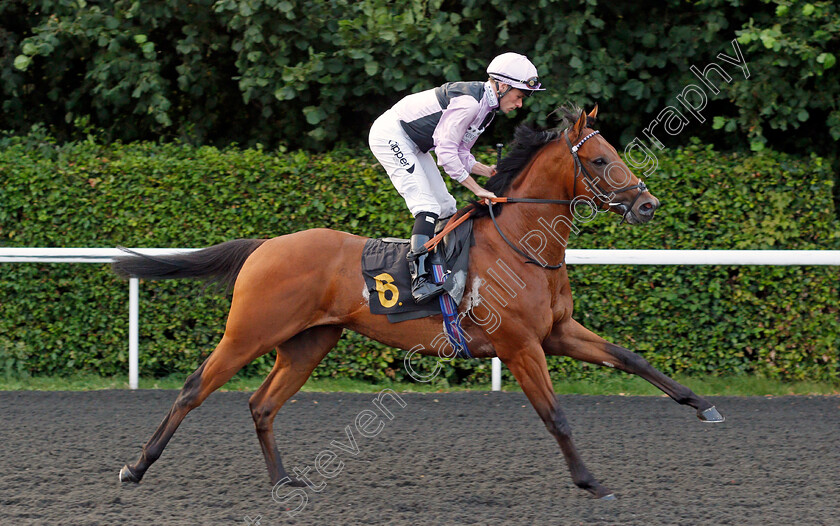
643	210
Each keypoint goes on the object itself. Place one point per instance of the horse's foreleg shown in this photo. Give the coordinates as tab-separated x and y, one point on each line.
571	339
529	367
228	358
296	358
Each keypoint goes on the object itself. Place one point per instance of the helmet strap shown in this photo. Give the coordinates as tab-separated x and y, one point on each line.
499	92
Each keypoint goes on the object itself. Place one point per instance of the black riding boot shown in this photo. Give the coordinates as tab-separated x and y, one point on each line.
423	287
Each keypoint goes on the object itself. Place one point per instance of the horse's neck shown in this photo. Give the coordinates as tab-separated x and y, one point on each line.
539	229
543	225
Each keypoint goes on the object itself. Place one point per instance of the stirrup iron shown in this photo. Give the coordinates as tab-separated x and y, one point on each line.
423	288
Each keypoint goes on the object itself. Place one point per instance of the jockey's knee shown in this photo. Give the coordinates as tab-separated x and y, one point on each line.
448	207
429	208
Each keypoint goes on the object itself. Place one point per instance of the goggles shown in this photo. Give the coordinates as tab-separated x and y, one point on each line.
531	83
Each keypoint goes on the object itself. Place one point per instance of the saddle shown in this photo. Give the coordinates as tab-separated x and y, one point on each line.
388	281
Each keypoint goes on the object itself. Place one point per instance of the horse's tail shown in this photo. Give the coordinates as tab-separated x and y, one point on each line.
220	263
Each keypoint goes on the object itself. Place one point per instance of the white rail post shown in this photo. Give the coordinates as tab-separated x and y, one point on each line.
133	323
497	374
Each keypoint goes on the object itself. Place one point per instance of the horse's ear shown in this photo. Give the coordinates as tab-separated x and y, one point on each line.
594	112
577	129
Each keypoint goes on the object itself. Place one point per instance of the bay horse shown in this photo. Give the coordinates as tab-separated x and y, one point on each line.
296	293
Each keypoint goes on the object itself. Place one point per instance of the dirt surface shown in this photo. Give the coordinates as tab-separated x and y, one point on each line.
465	458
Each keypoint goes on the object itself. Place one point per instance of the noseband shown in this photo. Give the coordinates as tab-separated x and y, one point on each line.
601	194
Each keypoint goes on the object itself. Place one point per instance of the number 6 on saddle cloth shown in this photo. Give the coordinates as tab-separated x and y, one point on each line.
388	281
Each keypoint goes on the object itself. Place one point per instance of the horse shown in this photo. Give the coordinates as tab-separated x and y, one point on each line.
296	293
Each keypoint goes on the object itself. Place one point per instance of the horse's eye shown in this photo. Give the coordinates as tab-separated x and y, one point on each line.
599	161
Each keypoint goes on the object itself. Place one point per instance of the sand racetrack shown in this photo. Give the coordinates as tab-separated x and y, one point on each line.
459	458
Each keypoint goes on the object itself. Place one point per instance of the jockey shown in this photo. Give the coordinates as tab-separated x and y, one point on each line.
447	119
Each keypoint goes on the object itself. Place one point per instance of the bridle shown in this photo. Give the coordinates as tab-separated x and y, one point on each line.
601	194
593	182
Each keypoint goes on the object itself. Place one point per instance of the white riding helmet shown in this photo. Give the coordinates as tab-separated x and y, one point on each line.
516	71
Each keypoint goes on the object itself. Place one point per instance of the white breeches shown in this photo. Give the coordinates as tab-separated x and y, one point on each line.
414	173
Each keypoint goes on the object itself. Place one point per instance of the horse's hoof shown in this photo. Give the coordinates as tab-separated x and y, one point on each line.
126	475
290	481
711	416
600	492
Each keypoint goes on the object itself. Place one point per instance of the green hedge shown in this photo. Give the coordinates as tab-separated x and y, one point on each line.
61	318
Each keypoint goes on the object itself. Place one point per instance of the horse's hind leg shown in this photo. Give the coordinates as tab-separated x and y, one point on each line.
229	357
296	358
570	338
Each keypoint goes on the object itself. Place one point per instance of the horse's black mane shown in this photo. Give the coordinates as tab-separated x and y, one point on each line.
528	140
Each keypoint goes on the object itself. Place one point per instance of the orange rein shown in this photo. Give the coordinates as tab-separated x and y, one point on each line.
455	222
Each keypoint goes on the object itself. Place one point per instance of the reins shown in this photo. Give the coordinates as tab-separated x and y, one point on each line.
528	257
579	169
456	221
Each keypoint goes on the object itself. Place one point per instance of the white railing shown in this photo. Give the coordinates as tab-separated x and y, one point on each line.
97	255
573	257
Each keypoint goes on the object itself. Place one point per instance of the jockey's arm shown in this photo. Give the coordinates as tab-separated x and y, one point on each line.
484	170
475	188
448	135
